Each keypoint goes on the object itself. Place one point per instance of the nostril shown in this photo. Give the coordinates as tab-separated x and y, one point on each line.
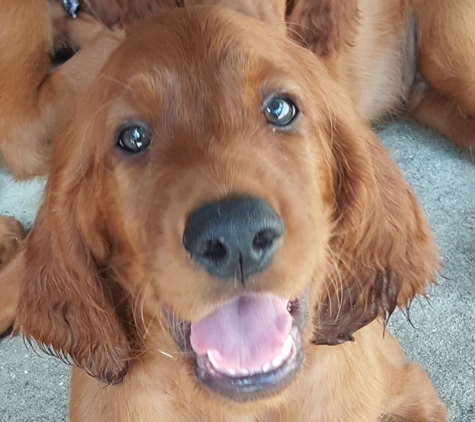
264	239
214	250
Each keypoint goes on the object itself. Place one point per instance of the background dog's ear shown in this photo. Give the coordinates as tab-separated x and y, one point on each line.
66	301
382	250
271	12
324	26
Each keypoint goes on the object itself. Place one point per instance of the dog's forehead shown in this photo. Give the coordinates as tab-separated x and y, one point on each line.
201	64
201	44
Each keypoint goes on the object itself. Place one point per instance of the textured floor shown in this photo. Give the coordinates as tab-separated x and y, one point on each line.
35	388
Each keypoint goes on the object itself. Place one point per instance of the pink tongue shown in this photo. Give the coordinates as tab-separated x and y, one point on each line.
243	333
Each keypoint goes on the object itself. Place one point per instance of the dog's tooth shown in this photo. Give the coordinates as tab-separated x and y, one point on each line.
243	372
231	372
213	361
287	347
266	367
228	371
278	361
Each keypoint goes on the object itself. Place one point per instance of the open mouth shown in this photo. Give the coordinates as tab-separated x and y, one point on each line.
247	348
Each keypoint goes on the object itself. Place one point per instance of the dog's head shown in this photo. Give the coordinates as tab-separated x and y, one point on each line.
218	190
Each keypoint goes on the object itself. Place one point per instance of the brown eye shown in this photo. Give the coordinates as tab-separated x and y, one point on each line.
280	111
134	139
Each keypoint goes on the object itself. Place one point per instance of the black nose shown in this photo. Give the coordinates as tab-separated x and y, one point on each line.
233	237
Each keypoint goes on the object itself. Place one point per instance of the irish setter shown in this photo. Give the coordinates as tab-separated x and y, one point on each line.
222	235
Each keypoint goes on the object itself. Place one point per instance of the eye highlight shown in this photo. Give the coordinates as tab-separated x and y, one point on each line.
134	139
280	110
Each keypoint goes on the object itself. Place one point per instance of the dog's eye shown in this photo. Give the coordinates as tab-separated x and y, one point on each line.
280	111
134	139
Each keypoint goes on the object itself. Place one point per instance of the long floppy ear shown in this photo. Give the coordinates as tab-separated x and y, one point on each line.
382	249
66	303
323	26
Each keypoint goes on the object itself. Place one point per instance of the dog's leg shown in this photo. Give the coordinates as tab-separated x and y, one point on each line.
82	30
413	398
433	109
446	44
11	237
8	301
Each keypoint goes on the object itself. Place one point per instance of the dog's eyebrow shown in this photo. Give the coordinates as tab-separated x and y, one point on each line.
140	88
144	82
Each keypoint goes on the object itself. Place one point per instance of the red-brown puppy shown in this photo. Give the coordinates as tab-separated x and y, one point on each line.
220	216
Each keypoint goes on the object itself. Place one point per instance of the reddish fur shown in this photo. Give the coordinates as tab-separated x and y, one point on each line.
364	53
105	254
381	253
122	12
447	63
12	234
323	26
35	100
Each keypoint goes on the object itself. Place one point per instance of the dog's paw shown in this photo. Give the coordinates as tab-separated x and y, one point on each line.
12	234
6	333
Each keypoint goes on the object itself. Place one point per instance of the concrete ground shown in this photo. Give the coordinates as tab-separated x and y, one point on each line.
35	388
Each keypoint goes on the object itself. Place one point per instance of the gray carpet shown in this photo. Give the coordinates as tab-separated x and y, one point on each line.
35	388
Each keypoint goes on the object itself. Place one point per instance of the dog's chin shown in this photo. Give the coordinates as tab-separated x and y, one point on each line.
251	378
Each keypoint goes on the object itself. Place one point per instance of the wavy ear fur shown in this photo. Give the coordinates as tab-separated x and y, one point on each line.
323	26
383	251
66	301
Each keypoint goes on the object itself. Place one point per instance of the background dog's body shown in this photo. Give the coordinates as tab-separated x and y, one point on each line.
415	56
35	99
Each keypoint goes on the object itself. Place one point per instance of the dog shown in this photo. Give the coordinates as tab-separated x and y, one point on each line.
222	236
35	97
